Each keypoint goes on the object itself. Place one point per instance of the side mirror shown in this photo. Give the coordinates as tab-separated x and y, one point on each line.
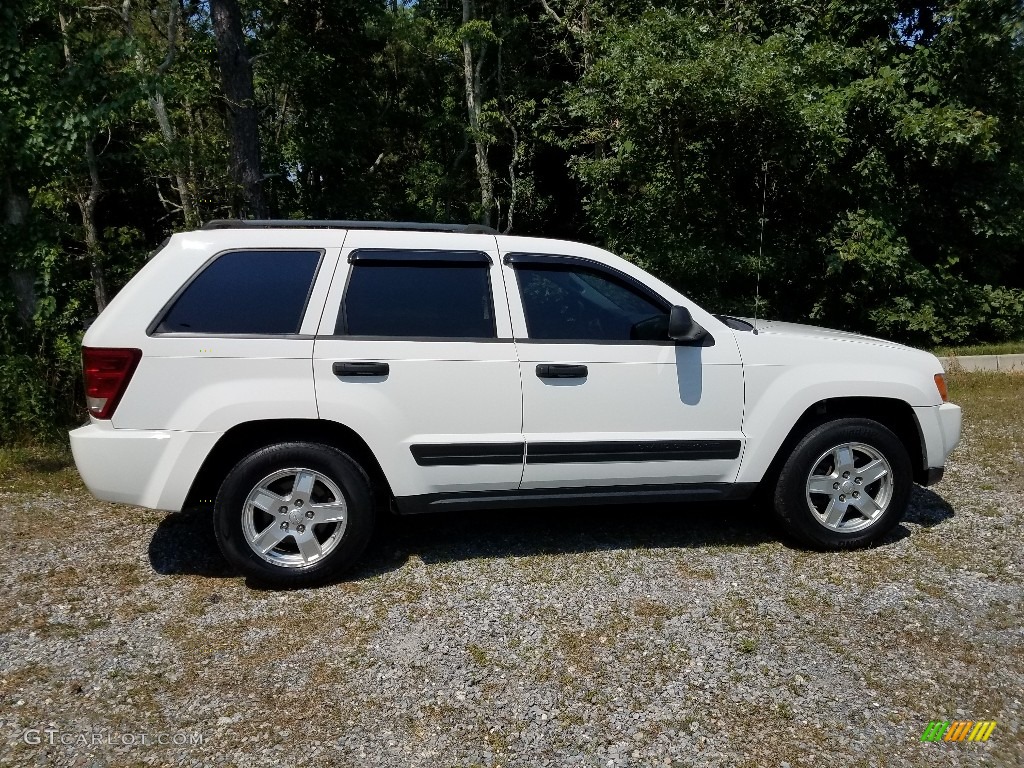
682	327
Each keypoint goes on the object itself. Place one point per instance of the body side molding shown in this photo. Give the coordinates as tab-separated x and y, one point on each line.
581	496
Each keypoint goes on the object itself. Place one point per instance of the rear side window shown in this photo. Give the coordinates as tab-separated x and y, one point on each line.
418	294
245	292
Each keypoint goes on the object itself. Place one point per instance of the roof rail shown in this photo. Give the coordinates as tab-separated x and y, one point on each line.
411	226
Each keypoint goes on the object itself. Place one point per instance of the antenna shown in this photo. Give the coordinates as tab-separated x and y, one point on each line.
760	245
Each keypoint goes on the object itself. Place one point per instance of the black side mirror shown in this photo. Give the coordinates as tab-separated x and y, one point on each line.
682	327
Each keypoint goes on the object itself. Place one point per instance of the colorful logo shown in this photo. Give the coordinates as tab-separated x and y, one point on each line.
958	730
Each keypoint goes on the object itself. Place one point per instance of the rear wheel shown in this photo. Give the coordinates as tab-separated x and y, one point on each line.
846	484
294	514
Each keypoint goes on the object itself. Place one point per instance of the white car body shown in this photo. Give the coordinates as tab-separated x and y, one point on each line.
718	416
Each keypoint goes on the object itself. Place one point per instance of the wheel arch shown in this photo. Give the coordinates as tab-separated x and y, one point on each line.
892	413
243	439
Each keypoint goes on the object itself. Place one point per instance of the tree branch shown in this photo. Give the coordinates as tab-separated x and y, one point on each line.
172	38
551	11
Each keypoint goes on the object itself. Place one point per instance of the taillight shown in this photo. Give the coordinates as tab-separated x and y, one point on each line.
107	373
940	384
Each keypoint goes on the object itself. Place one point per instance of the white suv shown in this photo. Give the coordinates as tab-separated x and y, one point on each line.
306	374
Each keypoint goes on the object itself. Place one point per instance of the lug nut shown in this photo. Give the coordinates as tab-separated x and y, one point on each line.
846	474
284	526
282	510
309	513
859	480
842	497
856	494
298	502
301	528
835	486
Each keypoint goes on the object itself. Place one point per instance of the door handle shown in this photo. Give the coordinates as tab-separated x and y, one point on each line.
560	371
360	369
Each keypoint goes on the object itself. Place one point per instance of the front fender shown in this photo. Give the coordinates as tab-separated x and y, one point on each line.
779	395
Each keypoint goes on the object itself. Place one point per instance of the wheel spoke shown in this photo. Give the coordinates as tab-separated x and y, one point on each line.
304	482
873	471
865	506
268	502
329	513
309	547
269	538
834	513
843	457
820	484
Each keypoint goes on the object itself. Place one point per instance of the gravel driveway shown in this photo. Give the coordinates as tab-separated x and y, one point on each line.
610	637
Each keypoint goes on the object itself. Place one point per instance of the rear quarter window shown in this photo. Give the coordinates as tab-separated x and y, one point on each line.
245	292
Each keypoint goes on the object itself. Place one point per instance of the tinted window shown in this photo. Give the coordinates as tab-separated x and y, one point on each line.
444	299
261	292
580	303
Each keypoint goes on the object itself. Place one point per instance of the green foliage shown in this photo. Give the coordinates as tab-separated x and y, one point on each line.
861	166
886	289
883	144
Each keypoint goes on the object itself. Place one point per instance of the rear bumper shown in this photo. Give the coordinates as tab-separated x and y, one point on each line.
147	468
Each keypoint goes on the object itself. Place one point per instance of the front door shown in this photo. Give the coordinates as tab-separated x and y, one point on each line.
608	399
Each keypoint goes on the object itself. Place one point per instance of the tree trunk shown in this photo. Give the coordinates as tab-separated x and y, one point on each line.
156	101
519	154
580	30
474	106
181	183
236	80
87	201
87	205
23	279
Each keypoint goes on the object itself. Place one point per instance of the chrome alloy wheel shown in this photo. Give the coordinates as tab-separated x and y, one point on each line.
849	487
294	517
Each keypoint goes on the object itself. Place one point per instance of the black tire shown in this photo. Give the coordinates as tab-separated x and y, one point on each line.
819	462
285	564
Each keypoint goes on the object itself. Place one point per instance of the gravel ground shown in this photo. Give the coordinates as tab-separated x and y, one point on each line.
629	637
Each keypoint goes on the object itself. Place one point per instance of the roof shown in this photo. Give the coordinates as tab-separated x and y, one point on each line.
409	226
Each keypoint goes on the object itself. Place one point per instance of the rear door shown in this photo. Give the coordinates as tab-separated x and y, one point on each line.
415	354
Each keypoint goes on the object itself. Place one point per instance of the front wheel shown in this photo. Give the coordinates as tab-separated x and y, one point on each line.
294	514
846	484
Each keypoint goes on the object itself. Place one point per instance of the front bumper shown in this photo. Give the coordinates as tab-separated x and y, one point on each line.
144	467
940	432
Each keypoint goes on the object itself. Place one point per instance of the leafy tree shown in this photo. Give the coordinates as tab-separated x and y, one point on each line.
858	165
873	137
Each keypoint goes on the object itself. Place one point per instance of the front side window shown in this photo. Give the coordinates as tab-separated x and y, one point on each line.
418	294
245	292
569	302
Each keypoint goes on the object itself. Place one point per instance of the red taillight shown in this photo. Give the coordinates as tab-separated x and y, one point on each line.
107	373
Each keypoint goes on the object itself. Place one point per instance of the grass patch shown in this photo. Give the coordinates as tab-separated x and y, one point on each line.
478	655
748	645
993	417
989	395
37	467
652	612
961	350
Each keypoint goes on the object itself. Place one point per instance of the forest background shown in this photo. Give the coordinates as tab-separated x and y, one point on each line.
852	164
